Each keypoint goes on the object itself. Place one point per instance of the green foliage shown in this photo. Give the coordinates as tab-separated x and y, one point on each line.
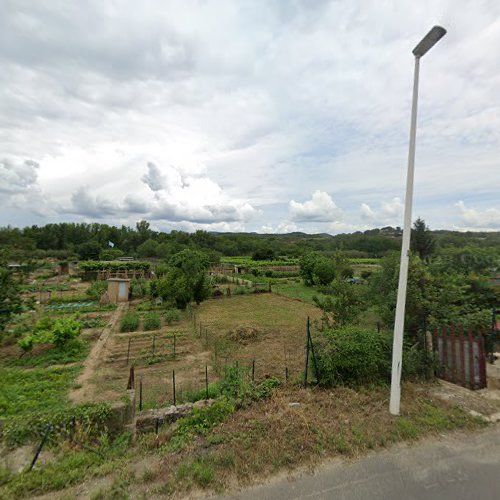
97	289
139	288
186	279
73	351
110	254
129	322
171	316
353	356
203	419
342	306
10	298
30	391
93	265
436	295
89	250
48	331
152	321
422	241
263	253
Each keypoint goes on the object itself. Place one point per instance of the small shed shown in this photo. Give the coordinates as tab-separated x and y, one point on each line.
118	290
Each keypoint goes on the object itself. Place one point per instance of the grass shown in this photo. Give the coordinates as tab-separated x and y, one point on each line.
297	291
227	445
267	328
326	423
70	467
74	351
29	391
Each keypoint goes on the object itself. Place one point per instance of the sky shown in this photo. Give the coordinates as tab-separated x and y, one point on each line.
248	115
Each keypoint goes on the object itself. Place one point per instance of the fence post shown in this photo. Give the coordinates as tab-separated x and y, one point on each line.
253	370
315	364
131	378
286	373
453	355
444	332
482	360
462	357
206	381
40	446
140	394
128	350
173	386
307	354
471	359
153	346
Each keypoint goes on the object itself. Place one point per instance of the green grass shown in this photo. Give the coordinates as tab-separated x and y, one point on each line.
297	291
69	468
74	351
30	391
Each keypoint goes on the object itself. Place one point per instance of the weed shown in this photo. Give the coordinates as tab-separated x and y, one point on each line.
171	316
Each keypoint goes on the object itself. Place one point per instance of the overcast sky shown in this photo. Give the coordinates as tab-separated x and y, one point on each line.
269	116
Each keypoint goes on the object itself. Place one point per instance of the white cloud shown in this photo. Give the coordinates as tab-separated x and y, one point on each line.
17	177
390	212
254	104
479	219
196	200
321	208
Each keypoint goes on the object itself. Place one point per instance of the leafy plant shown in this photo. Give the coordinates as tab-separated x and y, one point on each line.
152	321
129	322
172	315
96	289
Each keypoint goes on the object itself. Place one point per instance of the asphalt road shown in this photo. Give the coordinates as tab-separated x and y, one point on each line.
456	467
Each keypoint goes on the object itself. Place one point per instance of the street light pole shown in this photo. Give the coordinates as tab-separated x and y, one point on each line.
434	35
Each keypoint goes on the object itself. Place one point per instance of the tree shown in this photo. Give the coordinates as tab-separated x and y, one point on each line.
307	263
186	279
342	306
10	297
324	271
89	250
422	241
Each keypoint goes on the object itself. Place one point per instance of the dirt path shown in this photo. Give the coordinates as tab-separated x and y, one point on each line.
85	389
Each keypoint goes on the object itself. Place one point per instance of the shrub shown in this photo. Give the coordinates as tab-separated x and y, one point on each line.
353	356
152	321
48	331
129	322
366	274
96	289
172	315
139	288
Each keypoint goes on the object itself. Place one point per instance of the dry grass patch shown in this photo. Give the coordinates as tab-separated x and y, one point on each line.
279	434
266	327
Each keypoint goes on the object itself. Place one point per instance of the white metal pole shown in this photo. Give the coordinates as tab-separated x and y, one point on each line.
397	347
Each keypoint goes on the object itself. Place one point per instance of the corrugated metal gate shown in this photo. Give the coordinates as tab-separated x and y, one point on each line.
461	356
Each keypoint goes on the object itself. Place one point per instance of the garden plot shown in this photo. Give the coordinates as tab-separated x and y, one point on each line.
153	357
267	328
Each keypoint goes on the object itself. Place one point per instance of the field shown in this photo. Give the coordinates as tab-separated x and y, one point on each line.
252	344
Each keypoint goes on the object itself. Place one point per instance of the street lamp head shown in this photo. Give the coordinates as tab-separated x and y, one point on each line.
429	40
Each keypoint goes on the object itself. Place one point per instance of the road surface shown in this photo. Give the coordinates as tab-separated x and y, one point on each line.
454	467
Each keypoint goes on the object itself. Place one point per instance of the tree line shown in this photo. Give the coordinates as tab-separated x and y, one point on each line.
93	241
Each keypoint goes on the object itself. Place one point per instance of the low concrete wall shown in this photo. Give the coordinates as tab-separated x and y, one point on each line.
122	414
146	420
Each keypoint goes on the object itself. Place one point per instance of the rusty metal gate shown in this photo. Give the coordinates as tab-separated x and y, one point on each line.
461	356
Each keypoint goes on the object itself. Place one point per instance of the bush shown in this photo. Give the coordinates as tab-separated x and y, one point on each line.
353	356
139	288
129	322
96	289
152	321
48	331
366	274
172	315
